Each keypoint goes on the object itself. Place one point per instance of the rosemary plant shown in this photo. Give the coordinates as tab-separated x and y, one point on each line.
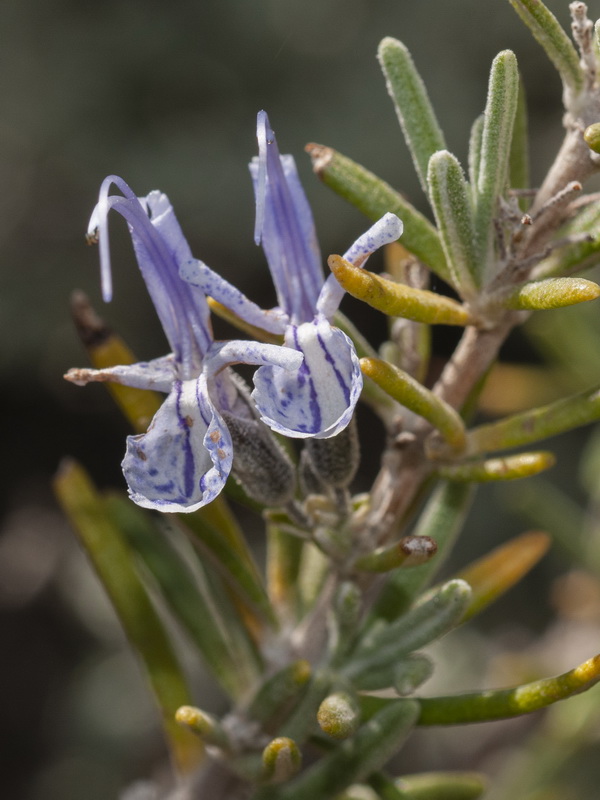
320	651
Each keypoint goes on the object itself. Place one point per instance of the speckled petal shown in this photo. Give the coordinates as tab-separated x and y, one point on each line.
222	354
157	374
198	274
184	459
317	399
385	231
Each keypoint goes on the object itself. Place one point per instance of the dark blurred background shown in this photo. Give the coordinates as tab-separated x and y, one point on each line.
165	95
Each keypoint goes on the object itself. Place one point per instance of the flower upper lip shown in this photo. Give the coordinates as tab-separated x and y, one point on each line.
318	398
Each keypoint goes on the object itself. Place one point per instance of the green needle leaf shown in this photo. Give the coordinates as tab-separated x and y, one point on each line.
499	117
115	565
413	395
504	703
475	140
202	616
518	164
279	694
374	198
451	201
398	299
435	614
443	785
241	579
551	293
416	116
549	33
538	423
510	468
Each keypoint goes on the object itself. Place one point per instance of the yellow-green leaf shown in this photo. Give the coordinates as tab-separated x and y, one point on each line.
396	299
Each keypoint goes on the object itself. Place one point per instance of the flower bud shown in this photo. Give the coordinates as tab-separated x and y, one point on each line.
260	464
339	715
334	461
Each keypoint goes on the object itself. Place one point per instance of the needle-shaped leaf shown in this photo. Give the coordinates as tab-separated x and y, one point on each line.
414	110
509	468
495	573
550	34
436	614
403	675
114	564
518	164
279	694
413	395
441	520
443	785
398	299
538	423
451	202
241	579
499	116
374	197
551	293
189	601
504	703
475	139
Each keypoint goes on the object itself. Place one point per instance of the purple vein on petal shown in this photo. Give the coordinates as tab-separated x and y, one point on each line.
285	226
189	464
330	359
304	375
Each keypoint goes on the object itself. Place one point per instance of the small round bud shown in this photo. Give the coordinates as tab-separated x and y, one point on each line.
338	715
591	136
281	760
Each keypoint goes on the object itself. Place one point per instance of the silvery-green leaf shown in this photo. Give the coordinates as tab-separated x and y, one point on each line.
451	201
550	34
500	110
416	116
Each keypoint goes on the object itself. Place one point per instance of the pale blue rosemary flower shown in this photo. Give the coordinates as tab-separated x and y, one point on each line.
184	459
318	397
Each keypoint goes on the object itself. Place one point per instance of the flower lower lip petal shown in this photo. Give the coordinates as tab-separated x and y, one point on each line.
184	459
319	397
